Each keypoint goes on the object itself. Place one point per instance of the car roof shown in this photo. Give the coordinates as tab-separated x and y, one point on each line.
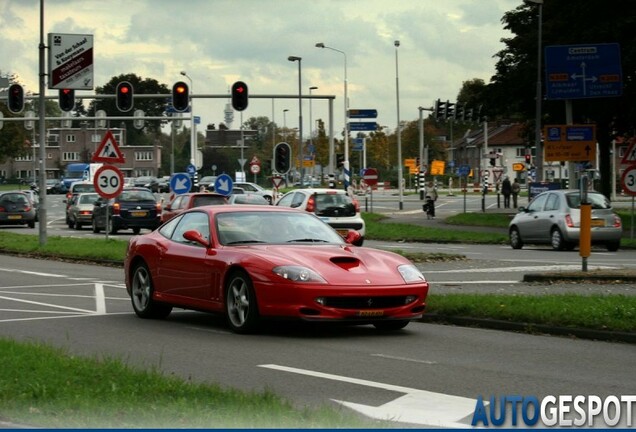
320	190
244	208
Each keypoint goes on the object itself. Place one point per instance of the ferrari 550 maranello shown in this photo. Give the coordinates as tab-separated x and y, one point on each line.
256	262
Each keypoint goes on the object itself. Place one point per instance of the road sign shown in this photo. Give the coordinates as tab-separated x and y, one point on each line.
583	71
108	181
518	166
108	150
277	181
191	169
255	161
628	180
180	183
255	169
570	143
363	126
629	157
438	167
463	170
362	113
370	176
70	61
223	184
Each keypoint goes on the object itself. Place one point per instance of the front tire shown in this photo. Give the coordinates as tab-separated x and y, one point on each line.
241	308
556	239
392	325
613	246
141	293
515	238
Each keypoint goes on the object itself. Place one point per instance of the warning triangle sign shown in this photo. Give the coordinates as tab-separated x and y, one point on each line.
629	157
108	151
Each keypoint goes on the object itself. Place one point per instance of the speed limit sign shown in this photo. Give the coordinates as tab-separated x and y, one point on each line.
628	180
108	181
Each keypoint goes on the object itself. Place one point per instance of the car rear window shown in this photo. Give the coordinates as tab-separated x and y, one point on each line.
139	195
334	205
597	200
207	200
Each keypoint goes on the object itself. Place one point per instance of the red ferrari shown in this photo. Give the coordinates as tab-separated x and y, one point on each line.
257	262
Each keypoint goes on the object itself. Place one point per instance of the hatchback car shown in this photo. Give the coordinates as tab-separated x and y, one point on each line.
80	210
253	188
16	209
333	206
135	208
554	218
190	200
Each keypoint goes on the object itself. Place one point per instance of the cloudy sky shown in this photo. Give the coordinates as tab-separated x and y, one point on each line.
217	42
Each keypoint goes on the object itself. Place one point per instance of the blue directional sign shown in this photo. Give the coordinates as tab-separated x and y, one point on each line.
583	71
180	183
223	184
358	144
362	113
463	170
191	169
363	126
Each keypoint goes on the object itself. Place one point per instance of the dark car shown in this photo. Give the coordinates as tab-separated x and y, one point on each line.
149	182
16	209
189	200
135	208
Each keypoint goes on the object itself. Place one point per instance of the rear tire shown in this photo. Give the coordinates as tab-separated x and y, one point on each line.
141	292
613	246
515	238
556	239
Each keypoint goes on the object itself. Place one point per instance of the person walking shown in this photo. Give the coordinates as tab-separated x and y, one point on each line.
515	192
506	190
431	197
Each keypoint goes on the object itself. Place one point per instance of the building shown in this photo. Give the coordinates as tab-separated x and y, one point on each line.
73	145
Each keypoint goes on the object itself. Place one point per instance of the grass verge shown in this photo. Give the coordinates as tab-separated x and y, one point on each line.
46	387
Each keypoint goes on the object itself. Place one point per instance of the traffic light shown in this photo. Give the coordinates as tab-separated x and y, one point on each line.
282	158
528	158
239	95
493	161
66	99
124	97
449	111
339	160
180	96
15	98
440	108
460	112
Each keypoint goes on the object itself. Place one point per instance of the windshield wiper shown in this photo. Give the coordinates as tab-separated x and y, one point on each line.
244	242
307	240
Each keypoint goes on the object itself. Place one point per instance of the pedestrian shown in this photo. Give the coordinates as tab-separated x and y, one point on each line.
431	198
506	190
515	192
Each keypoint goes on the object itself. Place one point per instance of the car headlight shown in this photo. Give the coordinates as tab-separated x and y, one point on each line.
411	274
299	274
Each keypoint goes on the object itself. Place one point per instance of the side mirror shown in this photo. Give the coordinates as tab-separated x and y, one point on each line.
352	237
196	237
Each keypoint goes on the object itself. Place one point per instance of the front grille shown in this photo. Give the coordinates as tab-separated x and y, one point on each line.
365	302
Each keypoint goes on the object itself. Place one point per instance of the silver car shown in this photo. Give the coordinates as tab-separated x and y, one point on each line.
554	218
80	210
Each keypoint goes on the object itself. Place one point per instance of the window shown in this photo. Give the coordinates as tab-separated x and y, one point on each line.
70	156
144	156
23	158
521	152
192	221
553	202
70	138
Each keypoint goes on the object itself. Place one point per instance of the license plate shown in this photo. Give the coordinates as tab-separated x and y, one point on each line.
370	313
139	213
15	216
598	223
342	232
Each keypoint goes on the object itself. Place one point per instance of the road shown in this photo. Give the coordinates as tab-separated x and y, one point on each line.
406	376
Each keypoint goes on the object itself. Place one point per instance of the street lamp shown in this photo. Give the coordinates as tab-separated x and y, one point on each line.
193	133
347	174
399	135
537	112
300	117
311	126
285	122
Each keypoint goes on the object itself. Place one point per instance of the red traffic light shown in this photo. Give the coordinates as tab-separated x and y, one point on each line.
15	98
180	96
124	96
528	157
66	99
239	95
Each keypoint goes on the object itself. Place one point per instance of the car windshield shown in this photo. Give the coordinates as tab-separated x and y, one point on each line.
136	195
236	228
88	199
83	187
597	200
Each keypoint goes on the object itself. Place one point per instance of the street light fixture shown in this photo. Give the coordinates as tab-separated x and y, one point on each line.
300	117
537	114
347	173
398	132
193	133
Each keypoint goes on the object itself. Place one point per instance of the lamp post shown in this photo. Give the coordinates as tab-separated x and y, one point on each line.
300	117
311	128
347	174
193	133
398	132
285	122
537	113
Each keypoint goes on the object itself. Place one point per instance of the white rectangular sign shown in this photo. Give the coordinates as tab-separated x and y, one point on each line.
70	61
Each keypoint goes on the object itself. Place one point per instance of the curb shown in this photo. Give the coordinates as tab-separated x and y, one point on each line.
613	278
601	335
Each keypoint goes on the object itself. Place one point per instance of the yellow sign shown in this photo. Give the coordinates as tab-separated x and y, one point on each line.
518	166
410	162
569	143
437	167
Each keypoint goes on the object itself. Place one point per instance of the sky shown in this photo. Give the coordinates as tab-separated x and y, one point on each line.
442	43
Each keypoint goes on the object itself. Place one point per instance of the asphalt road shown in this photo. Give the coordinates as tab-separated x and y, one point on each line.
406	376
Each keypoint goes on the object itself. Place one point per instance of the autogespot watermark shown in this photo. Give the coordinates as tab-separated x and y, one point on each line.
558	411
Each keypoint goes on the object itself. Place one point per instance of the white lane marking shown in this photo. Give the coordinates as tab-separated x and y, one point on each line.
416	406
37	311
480	282
390	357
66	308
100	300
519	269
60	316
33	273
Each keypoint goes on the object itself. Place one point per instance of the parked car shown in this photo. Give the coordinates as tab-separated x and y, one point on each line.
135	208
16	209
34	199
253	188
554	218
180	203
334	206
250	263
164	184
80	210
247	198
149	182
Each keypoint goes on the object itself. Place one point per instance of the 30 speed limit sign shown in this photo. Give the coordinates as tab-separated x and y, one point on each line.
628	180
108	181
